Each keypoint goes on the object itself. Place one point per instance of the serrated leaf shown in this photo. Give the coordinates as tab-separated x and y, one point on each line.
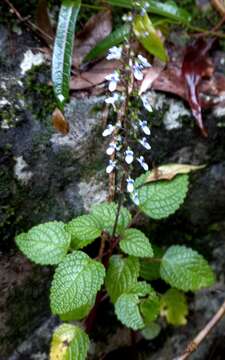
127	311
148	37
162	198
168	9
76	281
135	243
113	39
45	244
150	268
150	307
79	313
69	342
83	230
63	48
121	275
105	214
169	171
173	305
185	269
141	288
151	331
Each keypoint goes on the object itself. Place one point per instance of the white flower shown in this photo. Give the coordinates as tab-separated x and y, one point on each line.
129	156
146	103
111	149
114	53
109	130
130	185
112	100
135	198
127	18
137	71
145	143
113	79
143	61
144	127
142	162
111	166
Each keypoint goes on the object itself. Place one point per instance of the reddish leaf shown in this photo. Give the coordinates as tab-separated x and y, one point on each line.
59	122
196	66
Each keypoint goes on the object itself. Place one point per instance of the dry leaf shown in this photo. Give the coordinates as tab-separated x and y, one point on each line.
59	122
43	22
169	171
150	76
96	29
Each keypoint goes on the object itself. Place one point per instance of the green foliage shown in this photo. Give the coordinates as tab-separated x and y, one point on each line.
173	305
142	25
135	243
79	313
121	275
127	311
150	269
185	269
45	244
150	307
105	214
151	331
83	230
76	281
162	198
63	48
69	342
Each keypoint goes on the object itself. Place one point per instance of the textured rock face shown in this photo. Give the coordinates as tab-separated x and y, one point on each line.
45	176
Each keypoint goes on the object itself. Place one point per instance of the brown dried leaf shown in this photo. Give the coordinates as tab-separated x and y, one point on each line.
43	22
169	171
96	29
59	122
150	76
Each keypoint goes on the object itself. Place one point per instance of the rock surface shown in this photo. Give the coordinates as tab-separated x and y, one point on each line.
46	176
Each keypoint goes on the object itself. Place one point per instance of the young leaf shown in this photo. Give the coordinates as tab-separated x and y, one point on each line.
105	214
173	305
76	281
150	270
162	198
69	342
63	48
135	243
113	39
45	244
148	37
185	269
151	331
121	275
83	230
168	9
150	308
127	311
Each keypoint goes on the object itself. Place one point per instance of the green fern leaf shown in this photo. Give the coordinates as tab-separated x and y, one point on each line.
76	281
45	244
135	243
83	230
69	342
121	275
185	269
162	198
173	305
127	311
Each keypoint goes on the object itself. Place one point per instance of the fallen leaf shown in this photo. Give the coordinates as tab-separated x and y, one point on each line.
150	76
169	171
43	22
96	29
59	122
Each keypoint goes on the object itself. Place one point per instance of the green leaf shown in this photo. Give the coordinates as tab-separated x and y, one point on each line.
150	307
83	230
148	37
162	198
150	268
45	244
151	331
127	311
121	275
168	9
135	243
69	342
76	281
141	288
113	39
185	269
173	305
79	313
105	214
63	49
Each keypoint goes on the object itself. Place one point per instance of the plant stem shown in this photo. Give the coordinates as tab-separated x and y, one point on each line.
194	344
